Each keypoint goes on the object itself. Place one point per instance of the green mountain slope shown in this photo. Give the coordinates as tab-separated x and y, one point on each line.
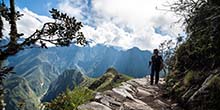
107	81
19	95
68	79
33	75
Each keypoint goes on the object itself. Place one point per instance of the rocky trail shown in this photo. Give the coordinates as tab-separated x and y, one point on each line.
135	94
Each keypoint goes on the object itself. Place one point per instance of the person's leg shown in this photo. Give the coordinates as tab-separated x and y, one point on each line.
157	76
152	76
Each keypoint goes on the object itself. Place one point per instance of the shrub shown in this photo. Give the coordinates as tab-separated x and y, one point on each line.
70	100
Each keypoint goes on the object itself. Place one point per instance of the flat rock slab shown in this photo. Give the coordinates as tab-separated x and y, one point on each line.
109	101
136	106
93	106
142	92
123	92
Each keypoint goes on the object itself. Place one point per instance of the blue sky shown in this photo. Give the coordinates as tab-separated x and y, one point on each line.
37	6
122	23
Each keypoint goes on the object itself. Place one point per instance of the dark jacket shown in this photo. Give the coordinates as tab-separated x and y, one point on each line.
156	62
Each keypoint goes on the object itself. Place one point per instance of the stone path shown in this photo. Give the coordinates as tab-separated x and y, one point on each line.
135	94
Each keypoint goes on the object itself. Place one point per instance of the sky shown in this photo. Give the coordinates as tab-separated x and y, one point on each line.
122	23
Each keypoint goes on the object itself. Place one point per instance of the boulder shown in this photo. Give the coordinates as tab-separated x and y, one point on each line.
136	106
93	106
123	92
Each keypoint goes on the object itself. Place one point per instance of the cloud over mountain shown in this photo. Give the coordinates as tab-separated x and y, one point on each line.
123	23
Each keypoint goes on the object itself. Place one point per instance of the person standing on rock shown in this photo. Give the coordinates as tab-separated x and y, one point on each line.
156	64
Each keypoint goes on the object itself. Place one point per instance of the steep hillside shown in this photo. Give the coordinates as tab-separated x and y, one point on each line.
35	67
85	92
195	79
19	94
68	79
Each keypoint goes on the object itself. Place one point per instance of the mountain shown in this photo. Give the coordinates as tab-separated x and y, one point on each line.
68	79
39	67
93	60
133	62
36	69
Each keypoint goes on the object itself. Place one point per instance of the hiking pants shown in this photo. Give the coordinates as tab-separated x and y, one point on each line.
154	72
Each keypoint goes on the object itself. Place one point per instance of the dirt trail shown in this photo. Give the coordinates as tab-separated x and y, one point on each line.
135	94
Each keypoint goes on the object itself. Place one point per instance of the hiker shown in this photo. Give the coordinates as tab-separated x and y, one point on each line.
156	64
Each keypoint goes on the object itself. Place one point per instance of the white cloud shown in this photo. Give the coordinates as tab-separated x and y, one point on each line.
108	33
136	12
111	34
124	23
30	22
140	16
74	8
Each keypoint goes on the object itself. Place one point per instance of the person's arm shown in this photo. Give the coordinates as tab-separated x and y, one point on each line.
150	62
161	63
161	59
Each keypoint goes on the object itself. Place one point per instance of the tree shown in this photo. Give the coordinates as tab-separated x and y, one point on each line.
168	49
62	32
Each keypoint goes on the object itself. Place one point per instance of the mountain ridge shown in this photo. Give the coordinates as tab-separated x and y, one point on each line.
42	66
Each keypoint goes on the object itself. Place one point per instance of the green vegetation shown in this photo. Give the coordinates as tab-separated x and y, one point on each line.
70	100
214	88
194	77
200	51
87	81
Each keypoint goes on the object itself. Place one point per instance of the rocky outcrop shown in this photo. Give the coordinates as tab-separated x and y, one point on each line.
135	94
195	90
